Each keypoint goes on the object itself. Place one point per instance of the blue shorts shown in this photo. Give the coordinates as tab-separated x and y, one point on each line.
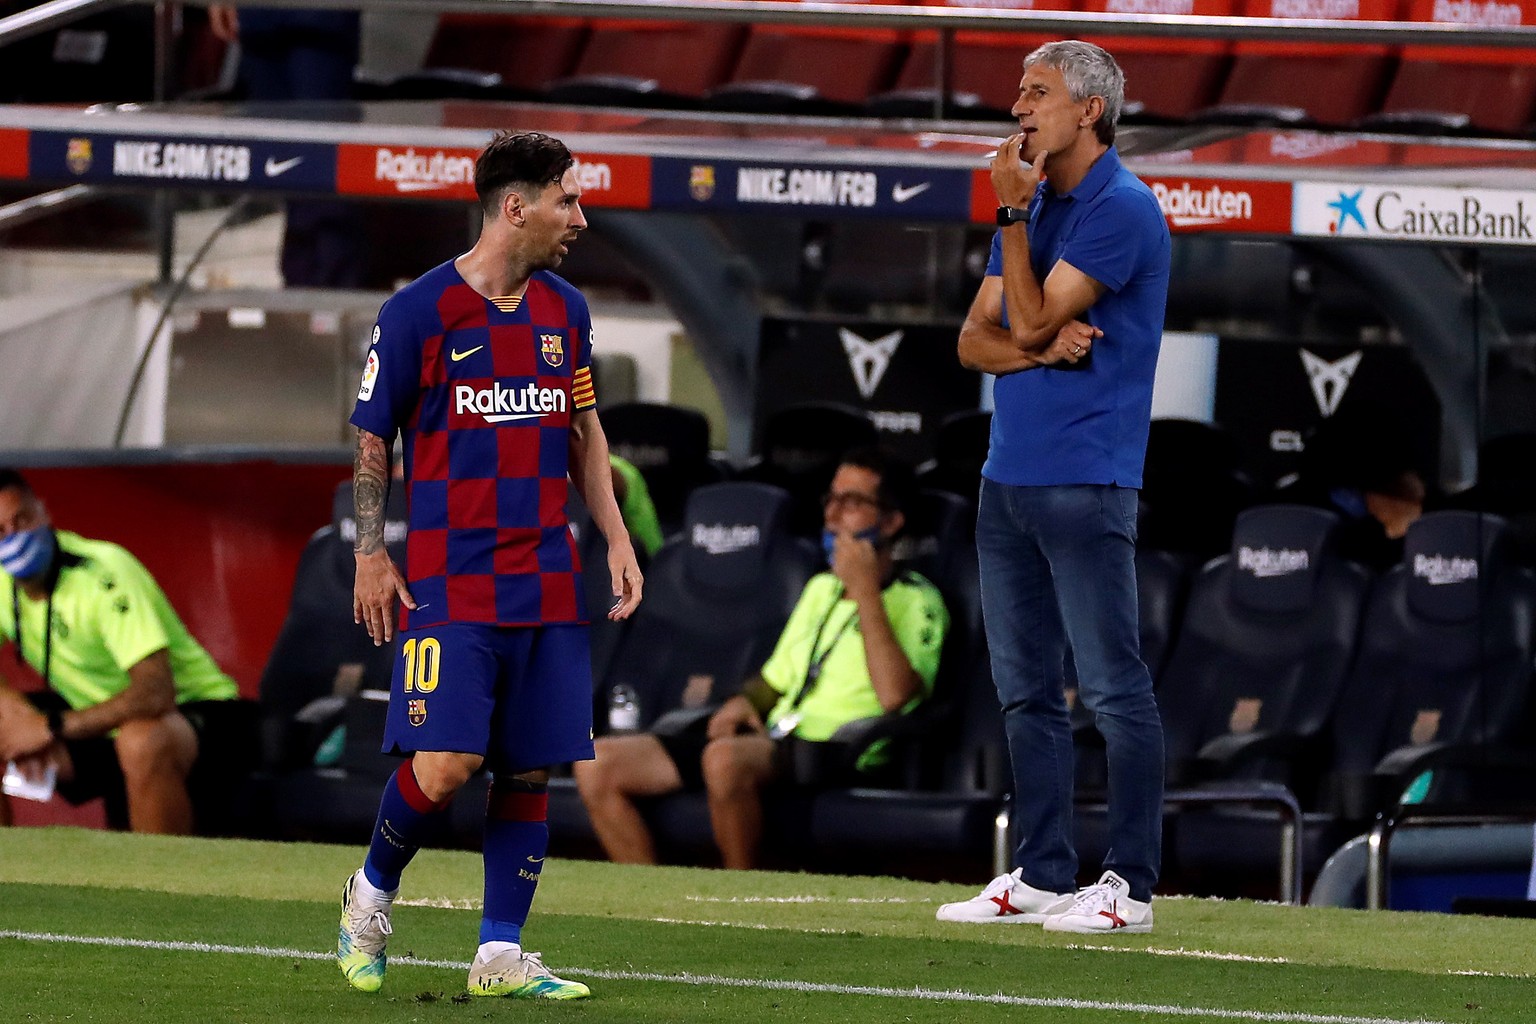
522	698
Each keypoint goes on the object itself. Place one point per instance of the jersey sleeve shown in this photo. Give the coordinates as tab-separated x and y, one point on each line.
582	394
1109	242
391	383
128	623
786	667
920	622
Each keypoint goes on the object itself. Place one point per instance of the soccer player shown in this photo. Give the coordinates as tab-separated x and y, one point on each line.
484	365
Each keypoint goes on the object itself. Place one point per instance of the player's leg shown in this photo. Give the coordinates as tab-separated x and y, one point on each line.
440	706
623	769
735	770
156	756
543	717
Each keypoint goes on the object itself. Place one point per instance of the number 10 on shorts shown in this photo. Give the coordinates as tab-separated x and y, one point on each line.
422	659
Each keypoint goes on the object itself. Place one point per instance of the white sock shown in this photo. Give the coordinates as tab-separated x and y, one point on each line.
370	893
491	950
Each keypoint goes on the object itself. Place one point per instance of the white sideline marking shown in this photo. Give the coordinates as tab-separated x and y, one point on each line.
753	925
771	984
1193	954
802	899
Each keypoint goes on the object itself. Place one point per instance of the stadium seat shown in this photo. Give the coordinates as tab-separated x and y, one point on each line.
1193	488
1506	487
670	446
959	451
1443	675
321	656
1280	83
985	68
1168	78
716	599
492	56
1248	693
799	446
1458	90
651	63
321	662
793	70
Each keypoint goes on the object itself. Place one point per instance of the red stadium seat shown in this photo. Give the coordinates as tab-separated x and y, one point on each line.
1306	83
1446	89
984	76
1167	78
791	69
527	53
652	62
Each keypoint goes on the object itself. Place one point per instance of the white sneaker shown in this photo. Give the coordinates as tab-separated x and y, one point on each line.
1007	899
1103	907
521	976
360	942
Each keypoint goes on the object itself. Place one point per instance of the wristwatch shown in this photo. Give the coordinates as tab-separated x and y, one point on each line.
1007	215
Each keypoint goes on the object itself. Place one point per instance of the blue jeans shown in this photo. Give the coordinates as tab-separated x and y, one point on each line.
1057	566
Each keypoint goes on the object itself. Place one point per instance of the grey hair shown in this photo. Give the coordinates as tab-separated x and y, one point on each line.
1088	70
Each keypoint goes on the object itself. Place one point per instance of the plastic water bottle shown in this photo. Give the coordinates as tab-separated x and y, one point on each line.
623	709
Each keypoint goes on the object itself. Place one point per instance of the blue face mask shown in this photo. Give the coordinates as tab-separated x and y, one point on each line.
829	540
28	553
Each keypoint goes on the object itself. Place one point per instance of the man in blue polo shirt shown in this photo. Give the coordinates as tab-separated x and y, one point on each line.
1069	318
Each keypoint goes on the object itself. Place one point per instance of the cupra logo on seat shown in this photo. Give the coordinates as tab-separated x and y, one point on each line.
869	358
1330	380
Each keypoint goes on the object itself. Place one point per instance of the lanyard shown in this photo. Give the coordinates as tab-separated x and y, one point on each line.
21	649
813	669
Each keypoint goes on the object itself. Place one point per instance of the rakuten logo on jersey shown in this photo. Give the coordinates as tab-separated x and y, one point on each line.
497	404
1206	204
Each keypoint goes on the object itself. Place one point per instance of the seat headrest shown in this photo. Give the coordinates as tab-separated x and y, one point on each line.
1448	557
395	514
1277	553
729	529
656	436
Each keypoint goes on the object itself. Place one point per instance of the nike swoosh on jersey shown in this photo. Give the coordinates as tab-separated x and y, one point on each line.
456	355
901	193
276	167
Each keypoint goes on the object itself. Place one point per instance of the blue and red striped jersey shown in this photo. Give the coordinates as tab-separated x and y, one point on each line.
483	390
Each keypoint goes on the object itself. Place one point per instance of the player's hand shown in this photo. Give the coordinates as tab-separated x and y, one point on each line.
1072	344
628	581
374	589
856	565
1013	180
735	716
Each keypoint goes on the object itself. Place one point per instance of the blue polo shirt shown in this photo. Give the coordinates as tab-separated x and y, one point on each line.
1088	424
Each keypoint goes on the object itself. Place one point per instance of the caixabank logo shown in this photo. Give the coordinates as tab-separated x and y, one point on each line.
1417	214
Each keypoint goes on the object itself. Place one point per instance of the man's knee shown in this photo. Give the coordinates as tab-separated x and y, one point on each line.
728	767
623	766
156	748
441	774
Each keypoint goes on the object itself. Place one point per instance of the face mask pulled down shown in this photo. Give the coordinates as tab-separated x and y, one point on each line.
28	553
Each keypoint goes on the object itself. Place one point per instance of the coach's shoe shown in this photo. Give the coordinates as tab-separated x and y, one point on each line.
521	976
1007	899
1104	907
360	942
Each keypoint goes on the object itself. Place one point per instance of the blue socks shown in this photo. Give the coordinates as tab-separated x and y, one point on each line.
407	818
516	838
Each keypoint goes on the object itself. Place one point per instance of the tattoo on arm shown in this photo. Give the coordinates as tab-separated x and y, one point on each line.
370	489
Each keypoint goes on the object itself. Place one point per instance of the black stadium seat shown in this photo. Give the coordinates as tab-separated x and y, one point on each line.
669	445
1444	670
1249	689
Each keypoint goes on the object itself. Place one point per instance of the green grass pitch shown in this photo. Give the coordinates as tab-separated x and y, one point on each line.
127	929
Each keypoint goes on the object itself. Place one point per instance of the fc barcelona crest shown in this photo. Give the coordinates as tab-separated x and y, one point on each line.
77	155
701	182
416	711
553	347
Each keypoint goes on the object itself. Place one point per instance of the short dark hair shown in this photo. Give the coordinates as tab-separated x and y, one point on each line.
898	483
12	478
529	159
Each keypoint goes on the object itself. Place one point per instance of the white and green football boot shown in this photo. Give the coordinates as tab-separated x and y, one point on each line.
521	976
360	941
